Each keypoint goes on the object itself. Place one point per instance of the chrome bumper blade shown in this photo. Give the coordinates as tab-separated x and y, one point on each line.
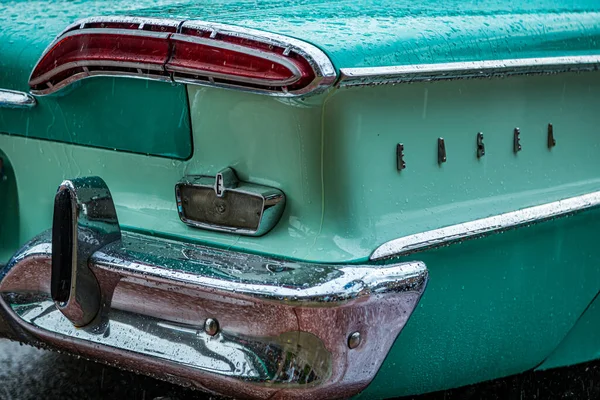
234	323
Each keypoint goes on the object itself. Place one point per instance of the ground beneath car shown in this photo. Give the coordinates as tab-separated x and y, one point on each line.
29	373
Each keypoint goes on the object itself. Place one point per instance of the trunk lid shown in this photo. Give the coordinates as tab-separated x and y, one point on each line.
353	34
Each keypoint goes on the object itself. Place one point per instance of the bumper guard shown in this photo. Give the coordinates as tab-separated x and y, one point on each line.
232	323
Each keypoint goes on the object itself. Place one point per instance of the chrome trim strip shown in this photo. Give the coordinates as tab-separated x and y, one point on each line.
466	70
16	99
325	73
106	74
92	63
481	227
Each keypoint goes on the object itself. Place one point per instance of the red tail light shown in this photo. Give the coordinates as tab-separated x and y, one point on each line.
87	52
191	52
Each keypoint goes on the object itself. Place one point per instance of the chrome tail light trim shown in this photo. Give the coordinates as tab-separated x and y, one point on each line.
238	324
368	76
324	71
481	227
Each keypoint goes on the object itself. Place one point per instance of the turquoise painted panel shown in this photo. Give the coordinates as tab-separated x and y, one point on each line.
372	33
9	204
267	140
494	306
121	114
336	162
581	344
369	202
360	33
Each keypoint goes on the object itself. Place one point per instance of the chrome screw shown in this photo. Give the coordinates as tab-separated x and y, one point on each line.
354	340
211	326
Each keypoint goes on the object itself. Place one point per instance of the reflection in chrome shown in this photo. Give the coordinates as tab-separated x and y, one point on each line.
252	359
466	70
15	99
85	220
294	327
285	329
223	203
484	226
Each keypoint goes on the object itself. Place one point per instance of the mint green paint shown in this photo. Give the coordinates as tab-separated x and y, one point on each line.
355	34
336	163
368	202
494	306
581	344
124	114
267	140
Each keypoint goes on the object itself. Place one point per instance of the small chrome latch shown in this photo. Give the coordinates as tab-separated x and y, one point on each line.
441	151
517	140
480	145
400	164
551	140
223	203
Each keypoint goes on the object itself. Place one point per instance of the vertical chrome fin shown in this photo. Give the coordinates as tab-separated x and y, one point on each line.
84	221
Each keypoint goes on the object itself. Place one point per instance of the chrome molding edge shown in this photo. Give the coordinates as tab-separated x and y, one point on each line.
466	70
325	73
234	323
322	66
16	99
481	227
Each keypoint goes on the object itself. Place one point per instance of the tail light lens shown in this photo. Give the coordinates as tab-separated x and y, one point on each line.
190	52
84	53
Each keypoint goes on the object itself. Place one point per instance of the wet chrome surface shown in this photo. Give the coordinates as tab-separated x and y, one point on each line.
16	99
234	323
251	359
484	226
283	325
224	203
85	220
466	70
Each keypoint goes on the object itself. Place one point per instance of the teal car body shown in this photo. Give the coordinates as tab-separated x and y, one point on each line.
506	223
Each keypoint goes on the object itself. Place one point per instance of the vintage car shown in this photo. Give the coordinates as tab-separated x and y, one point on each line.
302	198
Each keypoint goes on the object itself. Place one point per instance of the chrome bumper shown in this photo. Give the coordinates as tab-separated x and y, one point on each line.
232	323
